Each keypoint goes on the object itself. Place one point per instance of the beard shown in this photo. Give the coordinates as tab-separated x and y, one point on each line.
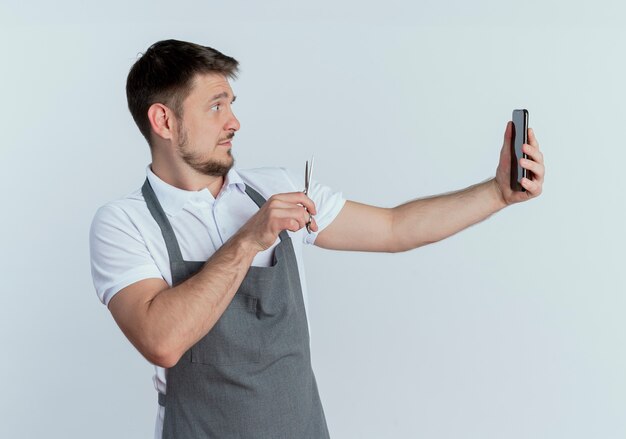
210	167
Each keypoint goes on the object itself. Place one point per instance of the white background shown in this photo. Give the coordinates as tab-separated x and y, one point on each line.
512	329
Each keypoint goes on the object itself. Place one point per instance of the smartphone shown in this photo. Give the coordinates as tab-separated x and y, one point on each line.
520	136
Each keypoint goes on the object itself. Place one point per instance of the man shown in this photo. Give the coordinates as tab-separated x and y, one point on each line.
201	268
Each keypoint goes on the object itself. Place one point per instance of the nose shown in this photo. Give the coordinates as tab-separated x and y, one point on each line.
232	124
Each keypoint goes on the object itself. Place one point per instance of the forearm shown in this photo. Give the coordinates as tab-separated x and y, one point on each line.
178	317
429	220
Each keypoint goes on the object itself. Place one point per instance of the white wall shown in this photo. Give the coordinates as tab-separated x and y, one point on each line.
511	329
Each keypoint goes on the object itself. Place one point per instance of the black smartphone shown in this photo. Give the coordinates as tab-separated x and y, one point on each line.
520	136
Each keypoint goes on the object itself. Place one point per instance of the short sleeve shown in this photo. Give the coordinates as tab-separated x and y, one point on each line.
327	201
119	256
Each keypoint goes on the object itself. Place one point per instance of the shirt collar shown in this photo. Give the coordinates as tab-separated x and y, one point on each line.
173	199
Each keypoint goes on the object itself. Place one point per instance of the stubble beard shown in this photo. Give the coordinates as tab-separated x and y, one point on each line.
213	168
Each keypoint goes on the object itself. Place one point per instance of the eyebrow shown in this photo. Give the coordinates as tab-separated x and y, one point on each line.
221	95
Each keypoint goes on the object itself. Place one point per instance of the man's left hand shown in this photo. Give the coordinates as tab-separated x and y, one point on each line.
534	164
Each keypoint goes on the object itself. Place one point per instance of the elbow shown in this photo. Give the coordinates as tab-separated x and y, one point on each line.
401	239
401	247
165	362
394	248
163	358
160	353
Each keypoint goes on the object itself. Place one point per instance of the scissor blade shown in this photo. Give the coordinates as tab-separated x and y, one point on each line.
306	177
311	170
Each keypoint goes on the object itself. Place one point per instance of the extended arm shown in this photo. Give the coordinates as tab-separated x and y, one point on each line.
367	228
424	221
163	322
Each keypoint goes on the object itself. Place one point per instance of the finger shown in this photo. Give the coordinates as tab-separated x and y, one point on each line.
533	188
533	152
508	132
296	198
506	142
536	168
308	218
296	215
278	201
305	219
313	225
294	225
532	139
505	152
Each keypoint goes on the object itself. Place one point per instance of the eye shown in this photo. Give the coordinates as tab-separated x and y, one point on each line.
216	107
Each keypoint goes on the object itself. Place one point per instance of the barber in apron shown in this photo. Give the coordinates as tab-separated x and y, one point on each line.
250	377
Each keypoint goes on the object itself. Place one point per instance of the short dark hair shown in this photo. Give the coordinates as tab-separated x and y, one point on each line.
165	74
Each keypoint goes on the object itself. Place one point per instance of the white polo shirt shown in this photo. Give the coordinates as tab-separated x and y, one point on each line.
127	246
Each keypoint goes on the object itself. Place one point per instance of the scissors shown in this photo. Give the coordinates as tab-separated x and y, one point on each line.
308	172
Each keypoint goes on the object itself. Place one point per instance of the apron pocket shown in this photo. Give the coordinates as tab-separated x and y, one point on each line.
234	339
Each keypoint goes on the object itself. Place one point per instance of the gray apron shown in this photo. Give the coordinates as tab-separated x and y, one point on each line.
250	377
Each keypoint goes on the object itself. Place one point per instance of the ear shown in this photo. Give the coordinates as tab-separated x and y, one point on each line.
162	121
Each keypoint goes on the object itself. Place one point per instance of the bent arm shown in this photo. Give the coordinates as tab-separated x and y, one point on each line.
419	222
163	322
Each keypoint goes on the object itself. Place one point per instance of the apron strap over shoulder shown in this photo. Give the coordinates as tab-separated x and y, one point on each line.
173	250
256	197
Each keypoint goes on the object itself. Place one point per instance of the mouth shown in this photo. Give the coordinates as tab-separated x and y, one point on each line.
227	142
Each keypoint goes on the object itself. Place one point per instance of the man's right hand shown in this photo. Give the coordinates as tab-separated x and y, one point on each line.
288	211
